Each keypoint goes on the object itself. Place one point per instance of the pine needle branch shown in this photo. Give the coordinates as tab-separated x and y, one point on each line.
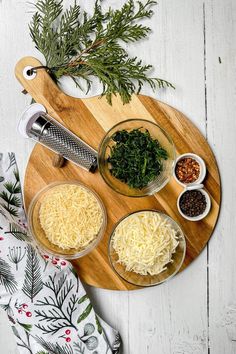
17	232
54	348
12	160
10	201
6	277
33	279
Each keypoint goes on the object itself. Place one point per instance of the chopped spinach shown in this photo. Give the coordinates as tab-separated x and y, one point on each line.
136	158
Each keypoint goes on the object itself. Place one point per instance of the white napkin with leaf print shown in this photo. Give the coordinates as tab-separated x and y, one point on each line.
46	303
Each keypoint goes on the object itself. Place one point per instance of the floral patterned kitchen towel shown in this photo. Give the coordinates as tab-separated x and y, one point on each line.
42	295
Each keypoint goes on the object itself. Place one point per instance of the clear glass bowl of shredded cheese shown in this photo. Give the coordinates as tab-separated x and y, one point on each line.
67	219
146	248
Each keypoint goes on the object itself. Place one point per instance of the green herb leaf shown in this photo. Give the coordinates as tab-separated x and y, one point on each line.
85	313
27	327
136	158
82	299
99	327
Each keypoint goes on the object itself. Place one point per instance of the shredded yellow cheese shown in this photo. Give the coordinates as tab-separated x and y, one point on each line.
70	216
145	242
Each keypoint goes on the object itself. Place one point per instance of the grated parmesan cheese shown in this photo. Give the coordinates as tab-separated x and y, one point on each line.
145	242
70	216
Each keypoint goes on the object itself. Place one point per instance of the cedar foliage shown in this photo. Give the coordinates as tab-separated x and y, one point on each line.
81	46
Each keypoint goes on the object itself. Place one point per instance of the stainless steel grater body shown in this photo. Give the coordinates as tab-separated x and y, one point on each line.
59	139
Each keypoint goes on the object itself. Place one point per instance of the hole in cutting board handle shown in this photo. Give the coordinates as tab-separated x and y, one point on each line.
28	73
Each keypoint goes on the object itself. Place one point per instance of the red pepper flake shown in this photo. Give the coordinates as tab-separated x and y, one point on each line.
187	170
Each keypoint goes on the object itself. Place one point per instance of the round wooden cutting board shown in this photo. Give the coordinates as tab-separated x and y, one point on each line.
90	118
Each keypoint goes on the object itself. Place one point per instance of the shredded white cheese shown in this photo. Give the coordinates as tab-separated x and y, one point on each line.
70	216
145	242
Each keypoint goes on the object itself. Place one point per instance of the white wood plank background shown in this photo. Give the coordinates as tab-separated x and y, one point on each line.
193	45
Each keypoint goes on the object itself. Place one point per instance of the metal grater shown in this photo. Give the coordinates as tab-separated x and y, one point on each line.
46	130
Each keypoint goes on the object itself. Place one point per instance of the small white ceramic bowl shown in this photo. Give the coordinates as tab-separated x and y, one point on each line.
198	187
202	165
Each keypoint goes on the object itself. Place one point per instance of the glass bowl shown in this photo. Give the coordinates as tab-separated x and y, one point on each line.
150	280
38	233
156	132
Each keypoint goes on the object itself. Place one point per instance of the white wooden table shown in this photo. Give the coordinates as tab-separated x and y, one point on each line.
193	45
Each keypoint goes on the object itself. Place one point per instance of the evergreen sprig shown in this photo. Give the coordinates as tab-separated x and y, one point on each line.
33	279
52	313
7	278
81	46
17	232
12	160
79	347
23	343
54	348
10	201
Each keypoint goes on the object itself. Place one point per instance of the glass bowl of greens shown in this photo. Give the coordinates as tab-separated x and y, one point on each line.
136	157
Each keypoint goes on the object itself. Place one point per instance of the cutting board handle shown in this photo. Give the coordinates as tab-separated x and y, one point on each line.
39	83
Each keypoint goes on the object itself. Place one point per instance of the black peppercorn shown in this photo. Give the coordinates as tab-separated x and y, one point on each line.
193	203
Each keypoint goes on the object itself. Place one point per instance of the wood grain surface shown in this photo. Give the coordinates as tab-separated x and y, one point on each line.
90	119
192	45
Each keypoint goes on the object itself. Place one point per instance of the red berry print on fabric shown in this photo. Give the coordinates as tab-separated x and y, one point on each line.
22	309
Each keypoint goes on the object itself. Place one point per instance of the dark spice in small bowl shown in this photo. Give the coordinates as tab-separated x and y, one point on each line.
193	203
187	170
